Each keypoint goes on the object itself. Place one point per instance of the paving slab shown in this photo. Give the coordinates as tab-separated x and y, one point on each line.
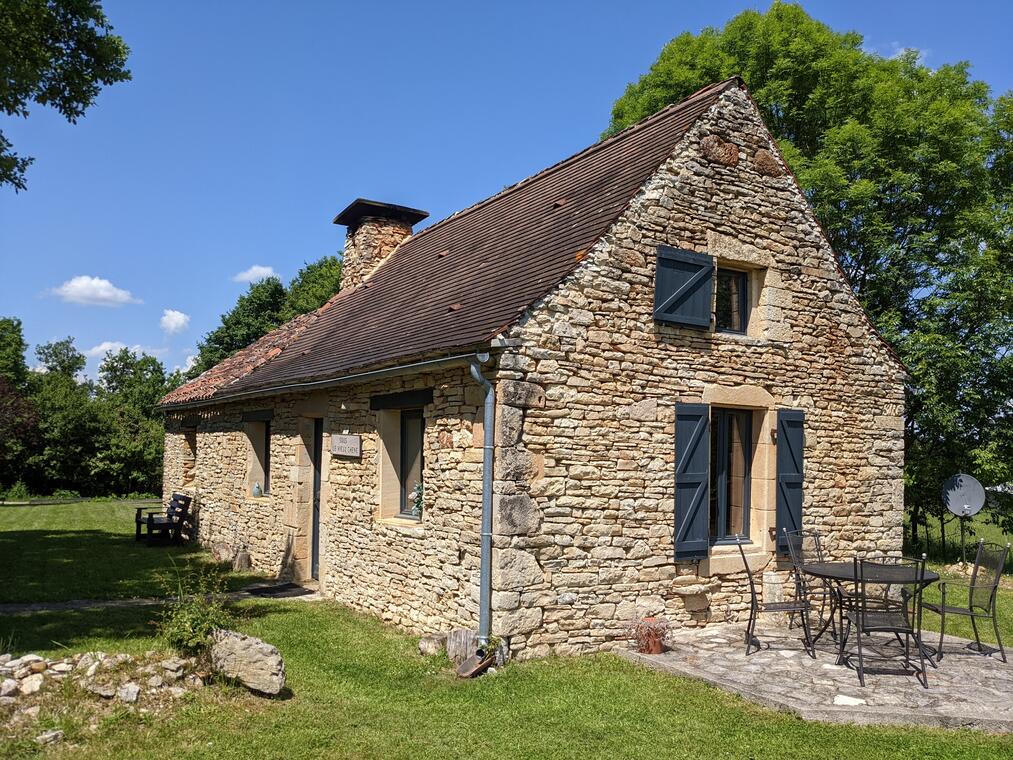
967	690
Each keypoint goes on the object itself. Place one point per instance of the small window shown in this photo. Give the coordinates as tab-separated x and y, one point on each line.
189	456
410	469
731	310
266	459
402	461
259	471
731	460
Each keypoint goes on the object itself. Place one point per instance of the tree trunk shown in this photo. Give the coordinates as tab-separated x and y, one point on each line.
942	532
914	526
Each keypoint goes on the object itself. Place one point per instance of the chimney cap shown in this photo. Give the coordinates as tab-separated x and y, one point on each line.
360	208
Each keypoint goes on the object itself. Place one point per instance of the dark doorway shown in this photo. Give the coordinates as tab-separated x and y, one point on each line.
318	445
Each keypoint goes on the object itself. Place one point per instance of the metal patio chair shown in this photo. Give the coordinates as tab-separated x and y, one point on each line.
887	599
977	599
797	605
805	547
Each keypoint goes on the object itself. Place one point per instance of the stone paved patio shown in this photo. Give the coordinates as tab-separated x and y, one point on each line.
968	690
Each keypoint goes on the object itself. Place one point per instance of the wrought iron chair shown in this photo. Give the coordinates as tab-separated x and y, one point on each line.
805	547
799	605
888	599
977	599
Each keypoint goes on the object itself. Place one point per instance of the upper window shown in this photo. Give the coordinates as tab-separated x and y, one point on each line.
731	458
731	309
691	290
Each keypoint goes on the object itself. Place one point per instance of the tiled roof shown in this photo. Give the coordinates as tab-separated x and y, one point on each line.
460	282
242	362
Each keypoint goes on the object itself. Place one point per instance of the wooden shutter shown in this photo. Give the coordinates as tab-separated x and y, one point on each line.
683	287
790	448
692	480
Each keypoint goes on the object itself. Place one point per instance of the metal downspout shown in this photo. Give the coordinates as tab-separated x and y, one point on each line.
485	572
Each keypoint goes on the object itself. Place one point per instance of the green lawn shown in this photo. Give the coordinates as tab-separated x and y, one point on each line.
930	540
84	550
360	690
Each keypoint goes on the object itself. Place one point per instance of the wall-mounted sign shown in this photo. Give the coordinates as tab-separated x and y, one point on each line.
346	445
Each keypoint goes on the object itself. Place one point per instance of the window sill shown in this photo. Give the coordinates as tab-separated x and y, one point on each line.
264	497
724	559
743	338
408	524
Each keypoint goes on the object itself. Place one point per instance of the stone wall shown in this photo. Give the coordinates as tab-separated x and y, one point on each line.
420	576
587	396
367	245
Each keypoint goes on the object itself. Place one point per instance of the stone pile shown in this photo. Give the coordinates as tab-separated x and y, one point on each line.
28	684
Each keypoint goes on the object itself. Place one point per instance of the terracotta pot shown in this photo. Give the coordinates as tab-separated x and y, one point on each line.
653	643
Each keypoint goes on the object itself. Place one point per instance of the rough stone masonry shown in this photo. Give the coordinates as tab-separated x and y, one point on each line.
586	386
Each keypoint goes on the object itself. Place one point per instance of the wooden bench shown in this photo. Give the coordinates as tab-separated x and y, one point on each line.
166	525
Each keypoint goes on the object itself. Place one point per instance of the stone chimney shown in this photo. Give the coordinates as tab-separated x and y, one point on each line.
374	230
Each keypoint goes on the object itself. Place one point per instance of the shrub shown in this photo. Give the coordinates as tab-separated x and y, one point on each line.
17	492
199	607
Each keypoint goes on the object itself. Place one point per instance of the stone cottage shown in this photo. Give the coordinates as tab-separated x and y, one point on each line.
560	409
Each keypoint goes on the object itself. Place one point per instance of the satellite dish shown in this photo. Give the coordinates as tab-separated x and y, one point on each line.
963	495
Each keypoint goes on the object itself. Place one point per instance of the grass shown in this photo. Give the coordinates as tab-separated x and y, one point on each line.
930	539
84	550
361	690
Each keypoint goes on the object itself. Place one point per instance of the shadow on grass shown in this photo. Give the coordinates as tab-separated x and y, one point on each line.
111	629
58	565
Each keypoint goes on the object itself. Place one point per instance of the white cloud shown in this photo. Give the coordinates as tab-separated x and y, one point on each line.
103	348
93	291
173	321
188	363
255	273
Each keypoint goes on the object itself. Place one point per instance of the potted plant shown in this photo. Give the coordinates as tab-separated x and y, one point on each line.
418	500
648	635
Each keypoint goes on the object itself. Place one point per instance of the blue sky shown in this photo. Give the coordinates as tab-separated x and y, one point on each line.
248	125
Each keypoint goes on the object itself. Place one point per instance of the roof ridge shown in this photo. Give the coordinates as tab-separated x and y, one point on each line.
593	147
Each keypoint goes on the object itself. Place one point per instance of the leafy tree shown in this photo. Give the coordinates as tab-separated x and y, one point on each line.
312	287
909	170
19	428
13	367
69	431
257	312
60	357
134	381
56	53
128	453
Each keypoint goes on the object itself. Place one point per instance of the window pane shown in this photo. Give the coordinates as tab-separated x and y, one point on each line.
267	457
731	452
730	311
717	467
738	469
411	455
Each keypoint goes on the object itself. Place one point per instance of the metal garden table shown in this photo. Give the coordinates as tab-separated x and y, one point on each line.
844	572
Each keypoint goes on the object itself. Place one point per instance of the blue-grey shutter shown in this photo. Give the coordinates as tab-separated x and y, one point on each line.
790	448
692	480
683	287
